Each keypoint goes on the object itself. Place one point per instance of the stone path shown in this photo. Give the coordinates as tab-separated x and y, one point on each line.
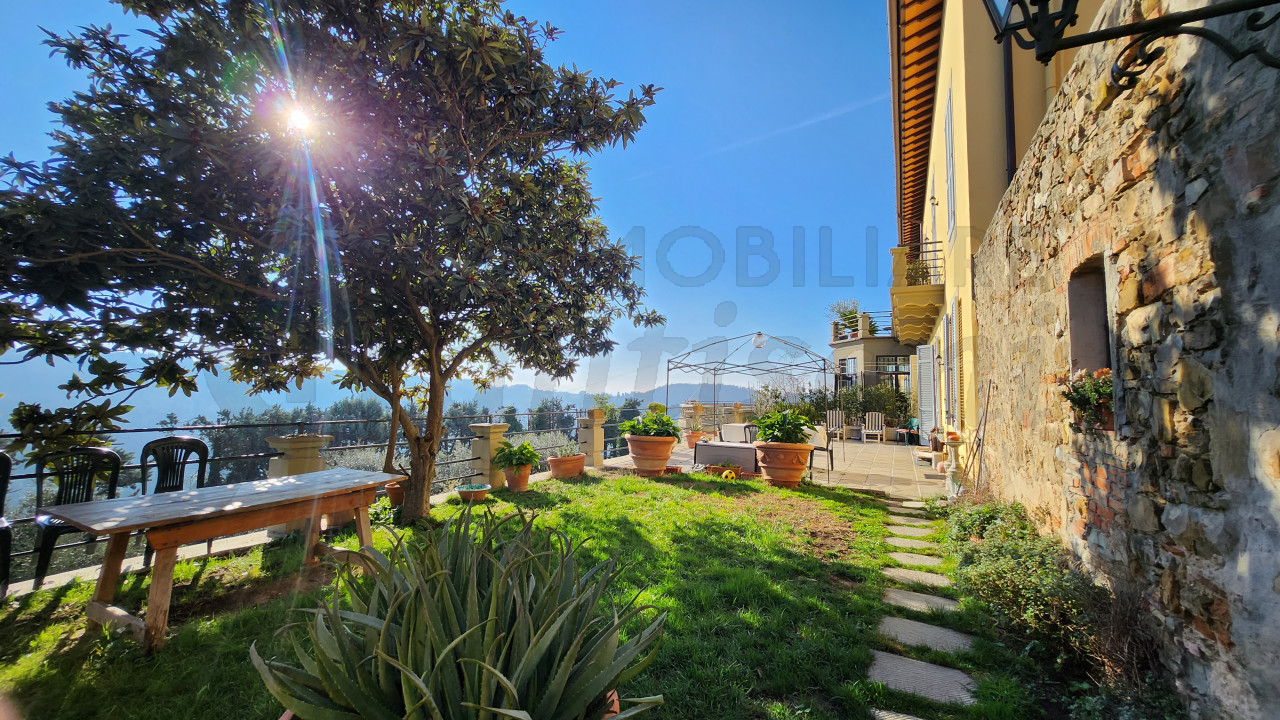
904	520
909	543
904	575
890	715
912	531
935	682
919	601
915	559
910	632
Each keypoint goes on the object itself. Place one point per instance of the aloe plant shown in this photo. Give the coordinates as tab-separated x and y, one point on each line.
471	626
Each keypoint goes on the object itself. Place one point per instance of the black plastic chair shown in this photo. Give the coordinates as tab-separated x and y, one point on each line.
77	471
6	531
171	455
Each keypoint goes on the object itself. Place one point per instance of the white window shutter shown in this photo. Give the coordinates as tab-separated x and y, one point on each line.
924	391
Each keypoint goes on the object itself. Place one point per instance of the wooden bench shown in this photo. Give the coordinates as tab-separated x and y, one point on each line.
179	518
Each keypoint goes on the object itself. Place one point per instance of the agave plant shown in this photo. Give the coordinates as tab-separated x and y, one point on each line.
470	625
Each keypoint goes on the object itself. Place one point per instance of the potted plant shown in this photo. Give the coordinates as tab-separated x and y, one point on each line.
782	447
1090	396
566	461
516	461
390	642
693	435
473	492
650	439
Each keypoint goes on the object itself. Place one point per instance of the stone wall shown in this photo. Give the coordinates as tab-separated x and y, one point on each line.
1173	185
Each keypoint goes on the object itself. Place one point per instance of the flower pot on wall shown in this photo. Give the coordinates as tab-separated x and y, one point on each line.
693	437
650	454
567	467
517	477
783	463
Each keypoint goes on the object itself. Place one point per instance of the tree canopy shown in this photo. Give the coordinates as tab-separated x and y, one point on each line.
393	190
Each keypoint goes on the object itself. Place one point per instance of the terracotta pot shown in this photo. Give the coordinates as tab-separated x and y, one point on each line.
395	493
1106	417
517	477
614	705
567	467
783	463
672	470
693	437
650	454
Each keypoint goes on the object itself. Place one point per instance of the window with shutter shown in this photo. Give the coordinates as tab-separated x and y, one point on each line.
952	406
957	312
925	391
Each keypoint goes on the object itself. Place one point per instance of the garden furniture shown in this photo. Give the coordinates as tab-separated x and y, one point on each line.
726	453
820	439
171	455
177	518
738	433
874	425
77	471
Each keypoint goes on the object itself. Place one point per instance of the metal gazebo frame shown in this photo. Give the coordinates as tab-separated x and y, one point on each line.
808	364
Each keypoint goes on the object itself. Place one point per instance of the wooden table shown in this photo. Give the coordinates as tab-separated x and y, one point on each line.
178	518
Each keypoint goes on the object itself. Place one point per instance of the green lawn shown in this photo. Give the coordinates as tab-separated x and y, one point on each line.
773	597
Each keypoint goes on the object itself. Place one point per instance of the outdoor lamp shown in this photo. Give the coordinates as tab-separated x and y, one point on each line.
758	340
1039	25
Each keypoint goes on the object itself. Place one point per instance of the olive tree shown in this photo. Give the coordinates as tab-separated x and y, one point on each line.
391	190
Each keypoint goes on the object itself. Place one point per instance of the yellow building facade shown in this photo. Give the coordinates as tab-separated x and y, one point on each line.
964	111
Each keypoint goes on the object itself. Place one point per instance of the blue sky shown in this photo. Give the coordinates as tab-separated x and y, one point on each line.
774	116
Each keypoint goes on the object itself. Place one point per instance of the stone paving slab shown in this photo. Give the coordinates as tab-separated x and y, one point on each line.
912	504
916	559
909	543
890	715
910	632
907	511
904	520
918	601
916	576
911	531
927	680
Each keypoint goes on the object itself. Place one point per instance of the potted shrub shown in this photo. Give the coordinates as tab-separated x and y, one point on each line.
650	439
1090	396
516	461
566	461
782	447
694	434
473	492
390	642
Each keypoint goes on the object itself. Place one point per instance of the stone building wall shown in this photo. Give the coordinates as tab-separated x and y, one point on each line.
1173	186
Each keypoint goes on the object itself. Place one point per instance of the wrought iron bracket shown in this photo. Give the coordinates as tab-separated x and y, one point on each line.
1139	55
1041	28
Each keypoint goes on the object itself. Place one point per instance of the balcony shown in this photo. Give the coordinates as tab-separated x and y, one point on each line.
870	324
918	293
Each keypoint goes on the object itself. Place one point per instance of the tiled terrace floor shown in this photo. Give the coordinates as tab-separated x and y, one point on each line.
890	468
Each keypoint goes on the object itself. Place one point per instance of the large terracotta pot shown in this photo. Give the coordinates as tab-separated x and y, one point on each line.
650	454
567	467
693	437
517	477
783	463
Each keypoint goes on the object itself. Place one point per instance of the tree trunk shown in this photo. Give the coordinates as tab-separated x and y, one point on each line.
389	464
424	447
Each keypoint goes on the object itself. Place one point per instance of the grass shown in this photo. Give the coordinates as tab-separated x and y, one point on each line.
773	599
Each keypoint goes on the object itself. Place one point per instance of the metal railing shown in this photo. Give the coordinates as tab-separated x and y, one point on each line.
882	326
925	264
130	472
